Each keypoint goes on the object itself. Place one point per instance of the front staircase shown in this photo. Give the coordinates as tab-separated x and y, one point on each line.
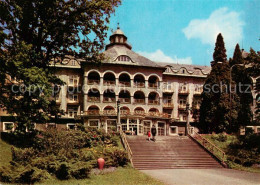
169	152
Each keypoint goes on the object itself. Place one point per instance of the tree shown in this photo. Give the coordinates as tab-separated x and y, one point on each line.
215	112
253	60
242	82
32	32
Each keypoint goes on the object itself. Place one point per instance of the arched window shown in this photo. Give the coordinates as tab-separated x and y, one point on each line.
123	58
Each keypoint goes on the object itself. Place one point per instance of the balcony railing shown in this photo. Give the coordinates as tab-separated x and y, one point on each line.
139	101
168	105
126	112
93	99
124	100
198	92
184	91
139	84
139	112
153	102
109	82
181	106
158	114
109	100
153	85
93	82
125	84
109	112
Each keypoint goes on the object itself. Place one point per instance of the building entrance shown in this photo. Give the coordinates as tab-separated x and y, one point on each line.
161	129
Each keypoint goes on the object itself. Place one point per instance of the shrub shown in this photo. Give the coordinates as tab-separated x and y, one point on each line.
63	172
115	157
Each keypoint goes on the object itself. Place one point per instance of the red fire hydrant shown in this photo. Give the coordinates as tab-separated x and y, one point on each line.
101	163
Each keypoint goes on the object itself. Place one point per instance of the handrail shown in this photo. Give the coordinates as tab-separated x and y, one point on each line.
212	148
126	145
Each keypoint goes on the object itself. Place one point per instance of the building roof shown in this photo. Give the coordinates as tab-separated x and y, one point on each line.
112	54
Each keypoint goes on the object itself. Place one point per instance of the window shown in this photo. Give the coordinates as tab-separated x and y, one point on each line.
182	102
50	125
73	97
8	127
124	127
73	63
123	58
111	125
71	126
258	130
73	80
72	112
173	130
93	123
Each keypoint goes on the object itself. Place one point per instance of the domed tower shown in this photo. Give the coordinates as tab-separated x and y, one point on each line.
118	38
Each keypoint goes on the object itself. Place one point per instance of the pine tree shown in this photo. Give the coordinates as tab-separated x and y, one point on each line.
242	85
253	60
215	112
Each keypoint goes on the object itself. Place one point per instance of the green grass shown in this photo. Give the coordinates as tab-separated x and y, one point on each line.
125	176
5	153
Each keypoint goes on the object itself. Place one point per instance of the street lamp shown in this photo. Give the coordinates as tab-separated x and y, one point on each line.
187	128
118	114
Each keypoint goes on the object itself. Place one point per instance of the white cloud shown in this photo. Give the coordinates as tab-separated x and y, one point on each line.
159	56
220	21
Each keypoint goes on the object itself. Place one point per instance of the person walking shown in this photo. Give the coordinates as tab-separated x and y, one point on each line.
153	132
149	135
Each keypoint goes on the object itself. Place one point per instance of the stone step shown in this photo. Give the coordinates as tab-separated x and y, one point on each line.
169	153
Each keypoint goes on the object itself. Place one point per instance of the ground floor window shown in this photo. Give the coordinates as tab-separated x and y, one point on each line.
111	125
173	130
258	130
124	127
8	126
93	123
191	130
71	126
72	112
147	126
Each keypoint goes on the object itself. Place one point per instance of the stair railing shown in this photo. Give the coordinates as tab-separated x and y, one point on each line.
213	149
126	146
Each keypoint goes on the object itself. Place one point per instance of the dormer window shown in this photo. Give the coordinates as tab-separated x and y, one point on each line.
123	58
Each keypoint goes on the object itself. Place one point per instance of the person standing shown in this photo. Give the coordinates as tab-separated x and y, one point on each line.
149	135
153	132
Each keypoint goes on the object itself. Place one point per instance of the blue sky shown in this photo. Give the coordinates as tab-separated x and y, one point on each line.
184	31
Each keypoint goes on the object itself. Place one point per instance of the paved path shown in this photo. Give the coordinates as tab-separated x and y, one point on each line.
204	176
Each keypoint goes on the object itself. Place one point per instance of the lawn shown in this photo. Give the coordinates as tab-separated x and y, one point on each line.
125	176
5	153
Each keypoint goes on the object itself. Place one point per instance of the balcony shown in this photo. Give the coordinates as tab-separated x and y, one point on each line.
124	84
153	102
109	112
139	101
153	85
93	82
92	112
158	114
139	84
182	107
94	99
139	113
184	91
125	100
109	82
124	112
168	105
109	100
197	93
